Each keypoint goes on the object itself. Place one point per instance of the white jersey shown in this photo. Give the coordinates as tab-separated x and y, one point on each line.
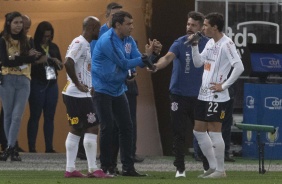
79	52
218	58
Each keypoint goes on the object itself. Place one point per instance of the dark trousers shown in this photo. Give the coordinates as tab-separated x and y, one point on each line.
132	102
182	116
111	110
42	98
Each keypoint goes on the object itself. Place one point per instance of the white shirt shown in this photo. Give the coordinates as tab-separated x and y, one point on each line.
217	58
79	51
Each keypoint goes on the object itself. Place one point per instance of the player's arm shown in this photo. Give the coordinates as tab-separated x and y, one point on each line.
198	62
69	65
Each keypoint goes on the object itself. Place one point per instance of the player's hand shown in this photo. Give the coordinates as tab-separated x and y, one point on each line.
92	91
216	87
82	87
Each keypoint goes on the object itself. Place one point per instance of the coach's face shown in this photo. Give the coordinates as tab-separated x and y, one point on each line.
126	27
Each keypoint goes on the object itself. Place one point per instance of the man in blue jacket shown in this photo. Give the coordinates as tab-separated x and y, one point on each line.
115	53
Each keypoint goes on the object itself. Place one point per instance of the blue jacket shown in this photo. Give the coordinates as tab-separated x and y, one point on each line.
112	58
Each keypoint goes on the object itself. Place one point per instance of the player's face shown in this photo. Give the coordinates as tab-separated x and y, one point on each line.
193	26
208	29
126	27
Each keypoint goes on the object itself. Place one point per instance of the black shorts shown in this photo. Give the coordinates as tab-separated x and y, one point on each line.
80	112
210	111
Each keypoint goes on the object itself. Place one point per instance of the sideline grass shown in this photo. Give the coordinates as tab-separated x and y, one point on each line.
56	177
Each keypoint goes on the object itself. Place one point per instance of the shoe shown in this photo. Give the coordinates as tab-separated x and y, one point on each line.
15	155
112	171
98	174
217	174
137	159
132	172
228	159
206	173
10	151
180	174
50	151
6	153
74	174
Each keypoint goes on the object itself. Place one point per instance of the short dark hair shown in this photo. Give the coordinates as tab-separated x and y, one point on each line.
198	16
119	17
217	19
112	6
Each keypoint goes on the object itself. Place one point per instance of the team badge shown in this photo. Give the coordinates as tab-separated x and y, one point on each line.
174	106
127	48
91	117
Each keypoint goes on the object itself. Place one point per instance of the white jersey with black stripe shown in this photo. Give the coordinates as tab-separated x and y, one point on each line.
218	58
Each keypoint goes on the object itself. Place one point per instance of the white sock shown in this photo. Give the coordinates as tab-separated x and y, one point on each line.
72	142
205	144
218	146
90	146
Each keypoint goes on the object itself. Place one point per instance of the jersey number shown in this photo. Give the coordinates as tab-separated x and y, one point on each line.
212	107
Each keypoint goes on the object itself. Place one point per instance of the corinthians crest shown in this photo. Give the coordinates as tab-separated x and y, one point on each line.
174	106
91	118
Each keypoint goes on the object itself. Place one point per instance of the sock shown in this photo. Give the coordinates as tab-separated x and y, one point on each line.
218	146
205	144
90	146
72	142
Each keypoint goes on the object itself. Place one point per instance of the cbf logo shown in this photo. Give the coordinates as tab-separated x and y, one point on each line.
270	62
243	36
250	102
273	103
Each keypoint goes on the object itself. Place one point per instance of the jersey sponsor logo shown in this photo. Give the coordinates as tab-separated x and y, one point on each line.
207	66
204	90
230	51
174	106
66	86
73	120
127	48
222	115
209	114
77	41
91	117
